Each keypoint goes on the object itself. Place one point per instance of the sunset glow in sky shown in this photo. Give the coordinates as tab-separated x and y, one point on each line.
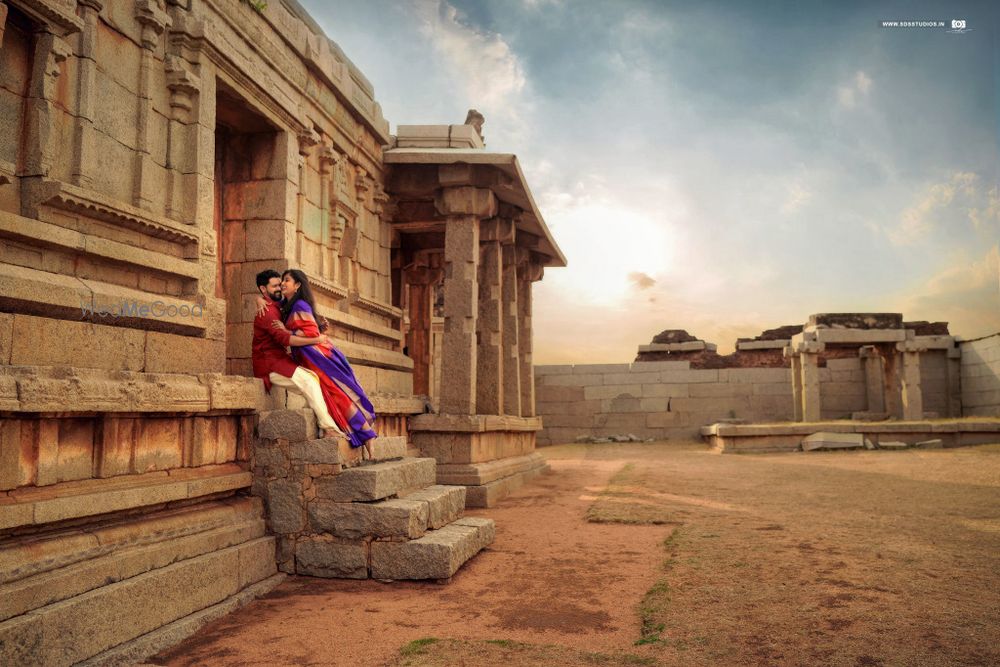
720	167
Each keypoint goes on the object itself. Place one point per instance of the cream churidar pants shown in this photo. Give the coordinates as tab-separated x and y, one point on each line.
305	382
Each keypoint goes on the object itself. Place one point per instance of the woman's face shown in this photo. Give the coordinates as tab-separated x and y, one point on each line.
288	286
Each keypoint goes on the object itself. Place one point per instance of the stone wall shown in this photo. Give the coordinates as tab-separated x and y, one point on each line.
655	399
981	377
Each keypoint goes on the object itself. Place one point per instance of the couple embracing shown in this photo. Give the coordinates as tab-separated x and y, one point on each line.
286	318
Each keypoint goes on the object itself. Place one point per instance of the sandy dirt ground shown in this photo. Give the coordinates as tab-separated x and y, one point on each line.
841	558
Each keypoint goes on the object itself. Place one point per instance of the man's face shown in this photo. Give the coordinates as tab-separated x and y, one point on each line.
272	289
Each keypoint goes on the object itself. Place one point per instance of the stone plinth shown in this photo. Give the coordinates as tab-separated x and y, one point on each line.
489	455
786	437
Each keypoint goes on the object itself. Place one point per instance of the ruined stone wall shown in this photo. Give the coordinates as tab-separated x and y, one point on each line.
980	373
655	399
843	388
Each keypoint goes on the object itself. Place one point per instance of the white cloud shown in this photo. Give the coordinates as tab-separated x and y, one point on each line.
966	295
489	74
941	203
862	82
850	94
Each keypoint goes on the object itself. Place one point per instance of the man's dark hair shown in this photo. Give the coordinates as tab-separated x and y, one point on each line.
264	277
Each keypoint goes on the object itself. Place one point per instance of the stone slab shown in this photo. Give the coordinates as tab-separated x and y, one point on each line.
487	495
81	627
444	503
473	423
378	481
823	440
329	558
399	518
135	651
71	500
436	555
474	474
52	586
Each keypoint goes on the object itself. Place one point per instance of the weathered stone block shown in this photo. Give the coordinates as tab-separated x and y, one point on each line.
826	440
321	450
377	481
40	341
285	506
326	557
436	555
171	353
354	521
293	425
444	503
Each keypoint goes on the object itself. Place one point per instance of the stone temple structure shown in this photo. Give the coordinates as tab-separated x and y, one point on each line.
154	156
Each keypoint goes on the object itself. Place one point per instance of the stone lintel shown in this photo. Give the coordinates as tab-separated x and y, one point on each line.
859	336
497	229
466	200
690	346
762	345
913	345
473	423
474	474
809	347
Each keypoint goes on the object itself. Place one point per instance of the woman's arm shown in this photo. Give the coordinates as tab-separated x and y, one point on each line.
301	341
297	340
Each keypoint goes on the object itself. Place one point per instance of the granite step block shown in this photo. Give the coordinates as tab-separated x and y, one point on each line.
401	518
436	555
378	481
444	503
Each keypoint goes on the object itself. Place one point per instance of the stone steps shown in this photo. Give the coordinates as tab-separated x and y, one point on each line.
86	625
337	516
436	555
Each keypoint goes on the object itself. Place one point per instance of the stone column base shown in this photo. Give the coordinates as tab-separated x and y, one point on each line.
489	455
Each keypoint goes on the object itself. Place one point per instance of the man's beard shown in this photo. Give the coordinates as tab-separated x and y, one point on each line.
276	296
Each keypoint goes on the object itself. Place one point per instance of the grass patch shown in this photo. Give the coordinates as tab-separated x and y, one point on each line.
653	606
418	646
627	500
449	652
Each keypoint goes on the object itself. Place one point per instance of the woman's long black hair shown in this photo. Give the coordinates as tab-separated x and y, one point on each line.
304	293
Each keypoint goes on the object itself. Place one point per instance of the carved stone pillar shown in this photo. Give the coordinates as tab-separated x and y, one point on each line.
871	362
528	272
791	354
84	141
422	280
463	208
911	393
511	362
50	53
953	388
182	139
809	356
328	158
153	19
307	141
489	328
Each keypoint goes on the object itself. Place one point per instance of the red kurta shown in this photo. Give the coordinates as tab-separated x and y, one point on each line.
269	347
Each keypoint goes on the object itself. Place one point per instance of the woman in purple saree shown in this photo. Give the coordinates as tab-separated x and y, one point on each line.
349	405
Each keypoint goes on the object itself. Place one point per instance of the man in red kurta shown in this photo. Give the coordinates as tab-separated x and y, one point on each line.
271	361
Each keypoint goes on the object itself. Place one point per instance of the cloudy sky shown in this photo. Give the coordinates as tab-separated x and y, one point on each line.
720	167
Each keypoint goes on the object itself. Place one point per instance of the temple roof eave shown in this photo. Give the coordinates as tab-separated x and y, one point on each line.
517	194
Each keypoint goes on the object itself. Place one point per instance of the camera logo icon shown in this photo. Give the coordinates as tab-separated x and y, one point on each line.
958	27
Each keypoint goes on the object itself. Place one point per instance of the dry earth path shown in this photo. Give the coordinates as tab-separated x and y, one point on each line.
842	558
